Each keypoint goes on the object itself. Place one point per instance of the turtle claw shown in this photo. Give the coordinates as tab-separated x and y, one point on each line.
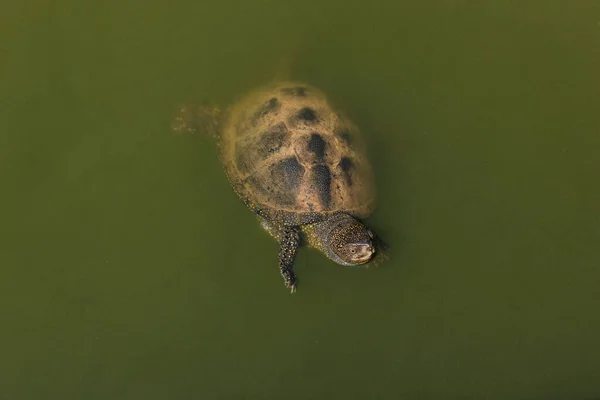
291	285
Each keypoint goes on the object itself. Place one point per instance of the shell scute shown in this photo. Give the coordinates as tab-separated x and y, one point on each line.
292	157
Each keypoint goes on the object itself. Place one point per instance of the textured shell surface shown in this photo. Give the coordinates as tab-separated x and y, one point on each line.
293	158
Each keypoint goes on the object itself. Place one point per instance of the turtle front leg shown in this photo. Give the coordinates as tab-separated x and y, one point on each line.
288	247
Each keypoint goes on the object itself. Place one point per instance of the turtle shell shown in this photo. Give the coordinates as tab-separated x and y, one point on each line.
292	158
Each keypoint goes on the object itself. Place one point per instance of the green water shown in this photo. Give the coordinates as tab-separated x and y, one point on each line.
129	269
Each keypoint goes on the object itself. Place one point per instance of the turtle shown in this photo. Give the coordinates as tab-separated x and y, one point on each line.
299	164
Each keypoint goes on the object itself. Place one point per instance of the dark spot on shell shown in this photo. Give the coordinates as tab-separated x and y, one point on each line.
250	153
287	176
307	114
272	140
345	135
243	162
322	178
316	145
295	91
346	166
270	106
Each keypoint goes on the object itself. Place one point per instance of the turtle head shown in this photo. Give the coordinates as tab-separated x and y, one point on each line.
350	241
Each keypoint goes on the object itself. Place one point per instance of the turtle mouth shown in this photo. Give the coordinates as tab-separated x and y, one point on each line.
366	258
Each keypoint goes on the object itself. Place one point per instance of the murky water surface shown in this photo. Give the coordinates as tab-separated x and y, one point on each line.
129	269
